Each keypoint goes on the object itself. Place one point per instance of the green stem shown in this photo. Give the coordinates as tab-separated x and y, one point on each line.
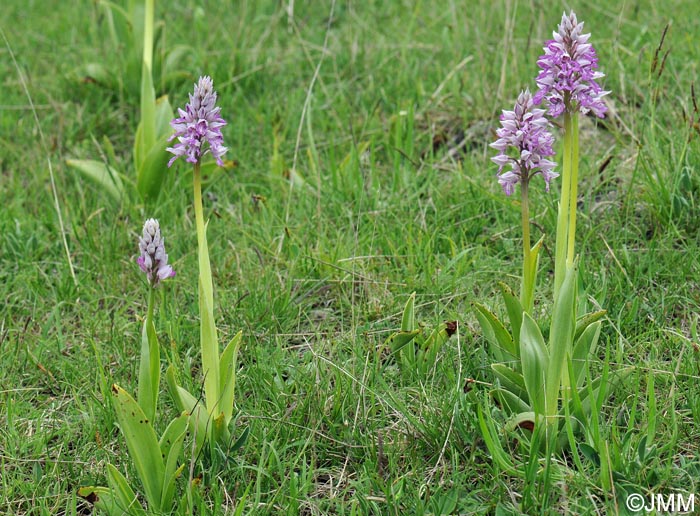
151	304
207	329
148	24
564	206
528	287
149	363
573	199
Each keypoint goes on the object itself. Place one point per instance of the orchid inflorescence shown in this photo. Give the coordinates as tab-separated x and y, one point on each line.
153	259
198	129
525	130
568	77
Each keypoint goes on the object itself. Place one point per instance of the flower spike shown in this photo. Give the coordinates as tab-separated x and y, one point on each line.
568	77
198	128
153	259
524	142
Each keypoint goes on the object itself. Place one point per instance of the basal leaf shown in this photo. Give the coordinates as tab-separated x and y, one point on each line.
408	321
124	496
227	376
534	359
142	443
101	174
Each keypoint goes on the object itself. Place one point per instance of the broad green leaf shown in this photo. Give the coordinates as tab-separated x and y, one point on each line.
164	115
101	174
140	149
227	376
509	402
172	387
220	432
398	340
511	380
142	443
102	498
408	321
501	340
590	453
560	339
515	313
584	347
240	442
198	416
147	134
586	320
153	169
490	436
526	420
529	279
149	370
123	494
533	356
170	449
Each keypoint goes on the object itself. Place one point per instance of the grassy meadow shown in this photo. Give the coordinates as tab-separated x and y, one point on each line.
359	132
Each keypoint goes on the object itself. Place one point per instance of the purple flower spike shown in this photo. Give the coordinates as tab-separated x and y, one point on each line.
568	77
153	260
198	129
524	142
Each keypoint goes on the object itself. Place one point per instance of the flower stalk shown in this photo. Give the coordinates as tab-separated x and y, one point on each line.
198	132
207	330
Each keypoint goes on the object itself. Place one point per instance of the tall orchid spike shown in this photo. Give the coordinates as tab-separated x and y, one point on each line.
198	128
568	76
524	142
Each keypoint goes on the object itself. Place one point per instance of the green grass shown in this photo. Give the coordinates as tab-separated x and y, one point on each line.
316	276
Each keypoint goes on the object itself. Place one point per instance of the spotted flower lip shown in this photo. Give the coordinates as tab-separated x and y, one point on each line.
524	143
153	259
198	128
568	77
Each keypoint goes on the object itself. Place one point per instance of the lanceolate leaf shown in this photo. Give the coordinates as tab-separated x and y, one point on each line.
500	339
124	496
408	321
170	448
151	174
198	416
586	320
511	380
511	403
228	377
515	313
398	340
142	443
560	338
101	174
584	347
533	355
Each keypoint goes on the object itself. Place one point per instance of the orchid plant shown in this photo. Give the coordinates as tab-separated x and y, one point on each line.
198	133
153	131
544	385
156	460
